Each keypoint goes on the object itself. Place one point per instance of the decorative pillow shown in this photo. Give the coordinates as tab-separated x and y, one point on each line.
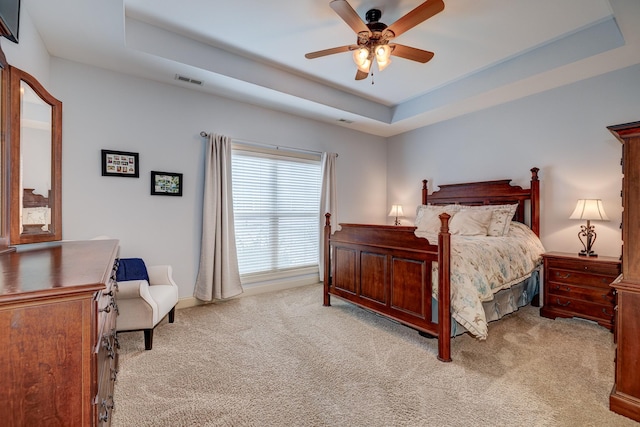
470	222
500	219
131	269
428	220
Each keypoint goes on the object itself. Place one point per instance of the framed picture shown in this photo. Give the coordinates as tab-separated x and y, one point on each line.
120	163
166	184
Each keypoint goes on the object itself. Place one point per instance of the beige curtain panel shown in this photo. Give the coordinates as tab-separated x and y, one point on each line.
218	275
328	201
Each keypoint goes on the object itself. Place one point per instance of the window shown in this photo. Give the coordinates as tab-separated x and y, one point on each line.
276	211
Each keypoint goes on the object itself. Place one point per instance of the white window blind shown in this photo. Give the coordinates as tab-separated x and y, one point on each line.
276	211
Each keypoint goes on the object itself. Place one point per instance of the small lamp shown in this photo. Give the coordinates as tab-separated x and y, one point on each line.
396	210
589	209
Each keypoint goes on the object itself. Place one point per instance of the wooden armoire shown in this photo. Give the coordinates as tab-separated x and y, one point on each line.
625	396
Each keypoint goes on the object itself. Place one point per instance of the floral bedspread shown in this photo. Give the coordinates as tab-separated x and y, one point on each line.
481	266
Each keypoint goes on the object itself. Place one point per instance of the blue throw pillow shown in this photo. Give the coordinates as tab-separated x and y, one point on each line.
131	269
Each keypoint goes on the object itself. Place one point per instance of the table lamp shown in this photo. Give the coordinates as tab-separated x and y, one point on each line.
589	209
396	210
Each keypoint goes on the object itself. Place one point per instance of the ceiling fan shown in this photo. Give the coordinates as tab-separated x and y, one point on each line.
374	37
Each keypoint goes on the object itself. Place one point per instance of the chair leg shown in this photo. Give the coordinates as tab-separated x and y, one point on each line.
172	315
148	339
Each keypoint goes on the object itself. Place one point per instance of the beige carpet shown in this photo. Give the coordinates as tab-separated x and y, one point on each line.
282	359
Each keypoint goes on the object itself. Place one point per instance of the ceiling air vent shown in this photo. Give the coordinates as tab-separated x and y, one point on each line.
189	80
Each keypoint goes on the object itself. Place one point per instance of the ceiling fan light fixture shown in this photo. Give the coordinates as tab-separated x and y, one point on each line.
362	58
383	56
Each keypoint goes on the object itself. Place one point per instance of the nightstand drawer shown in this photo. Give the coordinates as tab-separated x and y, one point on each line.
584	293
582	278
584	309
589	266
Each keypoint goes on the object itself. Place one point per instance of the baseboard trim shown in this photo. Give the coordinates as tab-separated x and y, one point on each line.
252	290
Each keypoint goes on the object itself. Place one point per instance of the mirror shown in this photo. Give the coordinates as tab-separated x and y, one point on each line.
36	148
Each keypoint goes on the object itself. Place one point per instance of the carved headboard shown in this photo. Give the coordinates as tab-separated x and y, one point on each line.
491	193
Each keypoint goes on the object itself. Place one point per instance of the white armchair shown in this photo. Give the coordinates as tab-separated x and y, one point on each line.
143	304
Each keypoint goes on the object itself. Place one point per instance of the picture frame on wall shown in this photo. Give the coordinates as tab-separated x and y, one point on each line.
166	184
120	163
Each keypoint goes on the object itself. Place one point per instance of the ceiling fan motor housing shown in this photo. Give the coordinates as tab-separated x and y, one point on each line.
372	16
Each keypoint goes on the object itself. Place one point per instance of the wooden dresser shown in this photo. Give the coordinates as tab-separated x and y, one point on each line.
58	347
579	286
625	395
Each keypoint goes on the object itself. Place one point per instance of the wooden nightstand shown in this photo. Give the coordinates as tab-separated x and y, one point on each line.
578	286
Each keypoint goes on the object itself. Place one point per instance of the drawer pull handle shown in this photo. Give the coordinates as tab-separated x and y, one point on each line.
560	288
563	276
604	310
560	304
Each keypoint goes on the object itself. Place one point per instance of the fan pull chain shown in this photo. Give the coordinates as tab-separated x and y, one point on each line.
372	82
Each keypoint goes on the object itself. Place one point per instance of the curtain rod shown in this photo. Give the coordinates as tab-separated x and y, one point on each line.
261	144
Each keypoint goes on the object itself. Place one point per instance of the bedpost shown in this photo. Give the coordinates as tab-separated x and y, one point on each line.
424	191
444	290
535	201
327	259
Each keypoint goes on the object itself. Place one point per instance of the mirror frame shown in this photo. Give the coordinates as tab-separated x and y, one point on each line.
16	76
4	155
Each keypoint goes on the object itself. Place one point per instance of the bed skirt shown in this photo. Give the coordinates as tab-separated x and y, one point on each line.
504	302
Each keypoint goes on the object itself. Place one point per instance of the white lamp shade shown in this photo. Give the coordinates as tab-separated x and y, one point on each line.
396	210
383	53
589	209
362	58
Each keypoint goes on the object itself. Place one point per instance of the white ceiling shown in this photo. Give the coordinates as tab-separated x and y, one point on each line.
486	52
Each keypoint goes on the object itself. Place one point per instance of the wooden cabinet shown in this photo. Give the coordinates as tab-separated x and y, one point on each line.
625	395
578	286
58	349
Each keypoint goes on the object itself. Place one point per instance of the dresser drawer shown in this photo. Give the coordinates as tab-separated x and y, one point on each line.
581	277
602	313
589	266
602	295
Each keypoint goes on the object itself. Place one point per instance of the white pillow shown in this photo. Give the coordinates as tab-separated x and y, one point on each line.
428	217
469	222
500	219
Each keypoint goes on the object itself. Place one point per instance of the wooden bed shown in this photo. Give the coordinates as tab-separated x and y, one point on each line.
387	269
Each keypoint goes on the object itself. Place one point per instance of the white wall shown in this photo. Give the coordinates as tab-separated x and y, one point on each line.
30	54
562	131
107	110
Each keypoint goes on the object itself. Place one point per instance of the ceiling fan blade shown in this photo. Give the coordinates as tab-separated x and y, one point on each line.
349	15
361	75
325	52
411	53
420	14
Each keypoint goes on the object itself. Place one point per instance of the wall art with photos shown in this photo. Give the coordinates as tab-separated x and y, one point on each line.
166	183
120	163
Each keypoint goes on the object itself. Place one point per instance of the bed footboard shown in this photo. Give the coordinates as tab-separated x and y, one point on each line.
387	269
